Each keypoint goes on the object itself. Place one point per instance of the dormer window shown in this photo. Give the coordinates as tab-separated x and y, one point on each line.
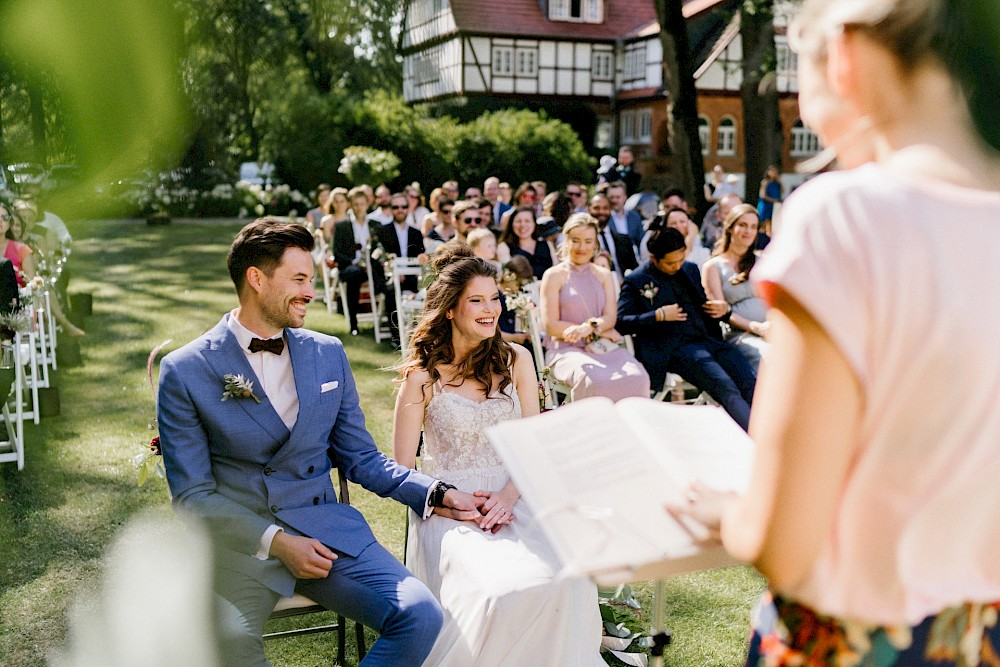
584	11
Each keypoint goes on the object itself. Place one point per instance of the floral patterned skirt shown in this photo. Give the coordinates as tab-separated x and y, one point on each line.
786	633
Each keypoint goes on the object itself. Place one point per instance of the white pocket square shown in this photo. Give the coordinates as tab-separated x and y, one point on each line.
328	386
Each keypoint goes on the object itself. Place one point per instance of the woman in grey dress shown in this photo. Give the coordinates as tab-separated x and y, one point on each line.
725	277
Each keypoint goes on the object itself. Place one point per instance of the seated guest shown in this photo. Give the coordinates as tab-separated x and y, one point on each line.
350	238
603	260
678	218
676	328
336	208
417	210
579	316
556	209
316	214
523	196
439	226
484	245
400	239
486	208
521	238
30	241
514	275
725	278
626	223
19	254
382	213
618	246
467	216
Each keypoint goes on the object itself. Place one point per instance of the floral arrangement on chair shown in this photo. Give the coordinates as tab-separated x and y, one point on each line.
149	462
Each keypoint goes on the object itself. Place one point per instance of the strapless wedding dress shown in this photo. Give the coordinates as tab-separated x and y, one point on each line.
502	604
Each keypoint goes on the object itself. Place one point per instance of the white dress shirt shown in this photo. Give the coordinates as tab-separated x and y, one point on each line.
608	244
360	228
403	236
274	371
620	221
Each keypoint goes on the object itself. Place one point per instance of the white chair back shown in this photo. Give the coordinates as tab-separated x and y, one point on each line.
409	305
377	299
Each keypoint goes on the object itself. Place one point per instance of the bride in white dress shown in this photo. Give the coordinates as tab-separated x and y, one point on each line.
495	577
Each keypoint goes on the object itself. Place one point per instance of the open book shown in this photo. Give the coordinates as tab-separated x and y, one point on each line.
597	476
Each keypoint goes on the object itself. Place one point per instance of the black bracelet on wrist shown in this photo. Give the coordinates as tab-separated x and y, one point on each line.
437	493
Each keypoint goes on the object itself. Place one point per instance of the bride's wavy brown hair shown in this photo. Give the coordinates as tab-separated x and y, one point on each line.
455	266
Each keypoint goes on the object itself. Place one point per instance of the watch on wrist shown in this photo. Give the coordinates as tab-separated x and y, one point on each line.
437	493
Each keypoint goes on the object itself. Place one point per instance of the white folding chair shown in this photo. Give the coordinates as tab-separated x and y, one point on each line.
376	300
330	278
300	605
551	387
408	304
40	318
11	446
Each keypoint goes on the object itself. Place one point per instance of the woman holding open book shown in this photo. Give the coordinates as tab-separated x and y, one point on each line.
873	506
495	578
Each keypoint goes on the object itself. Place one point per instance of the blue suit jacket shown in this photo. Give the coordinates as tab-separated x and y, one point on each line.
655	341
236	465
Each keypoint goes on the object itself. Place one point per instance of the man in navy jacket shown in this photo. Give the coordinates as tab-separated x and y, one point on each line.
676	328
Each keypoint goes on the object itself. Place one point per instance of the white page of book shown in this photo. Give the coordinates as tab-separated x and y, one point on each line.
598	484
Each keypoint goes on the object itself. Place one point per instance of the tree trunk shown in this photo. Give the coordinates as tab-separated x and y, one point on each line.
682	103
37	104
762	131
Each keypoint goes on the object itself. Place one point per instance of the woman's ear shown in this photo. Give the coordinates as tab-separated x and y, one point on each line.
841	65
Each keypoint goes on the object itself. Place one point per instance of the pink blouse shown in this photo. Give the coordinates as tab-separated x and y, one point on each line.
903	275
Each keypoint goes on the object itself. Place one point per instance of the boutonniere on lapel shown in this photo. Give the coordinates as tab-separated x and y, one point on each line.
649	291
238	386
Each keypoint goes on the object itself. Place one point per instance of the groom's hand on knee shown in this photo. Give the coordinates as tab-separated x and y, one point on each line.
305	557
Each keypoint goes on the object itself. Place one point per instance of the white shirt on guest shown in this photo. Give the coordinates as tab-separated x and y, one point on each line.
380	216
403	236
360	228
620	221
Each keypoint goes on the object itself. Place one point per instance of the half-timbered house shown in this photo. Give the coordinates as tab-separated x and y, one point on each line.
597	64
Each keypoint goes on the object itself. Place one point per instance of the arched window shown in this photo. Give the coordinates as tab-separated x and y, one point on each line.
726	143
804	141
704	133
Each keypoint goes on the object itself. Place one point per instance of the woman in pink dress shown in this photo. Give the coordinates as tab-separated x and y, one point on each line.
579	312
18	253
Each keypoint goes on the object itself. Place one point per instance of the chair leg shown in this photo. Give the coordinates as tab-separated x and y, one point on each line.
359	633
341	639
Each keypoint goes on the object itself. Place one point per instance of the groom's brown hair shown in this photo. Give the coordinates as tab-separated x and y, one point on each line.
262	243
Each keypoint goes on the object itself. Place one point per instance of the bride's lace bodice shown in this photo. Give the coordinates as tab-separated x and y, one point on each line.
455	433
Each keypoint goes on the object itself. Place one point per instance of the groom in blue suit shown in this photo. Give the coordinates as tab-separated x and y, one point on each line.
252	417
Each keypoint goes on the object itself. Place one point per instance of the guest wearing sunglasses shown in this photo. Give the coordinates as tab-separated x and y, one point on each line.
439	227
401	240
467	216
578	196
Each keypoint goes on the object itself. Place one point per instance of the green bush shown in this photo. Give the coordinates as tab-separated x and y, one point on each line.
366	166
520	145
306	134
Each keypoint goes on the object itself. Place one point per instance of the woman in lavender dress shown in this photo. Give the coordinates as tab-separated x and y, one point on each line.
579	311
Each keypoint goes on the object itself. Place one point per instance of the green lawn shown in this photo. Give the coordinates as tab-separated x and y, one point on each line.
78	487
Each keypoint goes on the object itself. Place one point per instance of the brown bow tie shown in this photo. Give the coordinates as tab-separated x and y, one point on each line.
275	345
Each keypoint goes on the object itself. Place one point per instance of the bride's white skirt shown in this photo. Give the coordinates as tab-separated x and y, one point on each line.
502	605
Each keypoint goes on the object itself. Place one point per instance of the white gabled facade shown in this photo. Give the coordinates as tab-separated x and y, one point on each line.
575	55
